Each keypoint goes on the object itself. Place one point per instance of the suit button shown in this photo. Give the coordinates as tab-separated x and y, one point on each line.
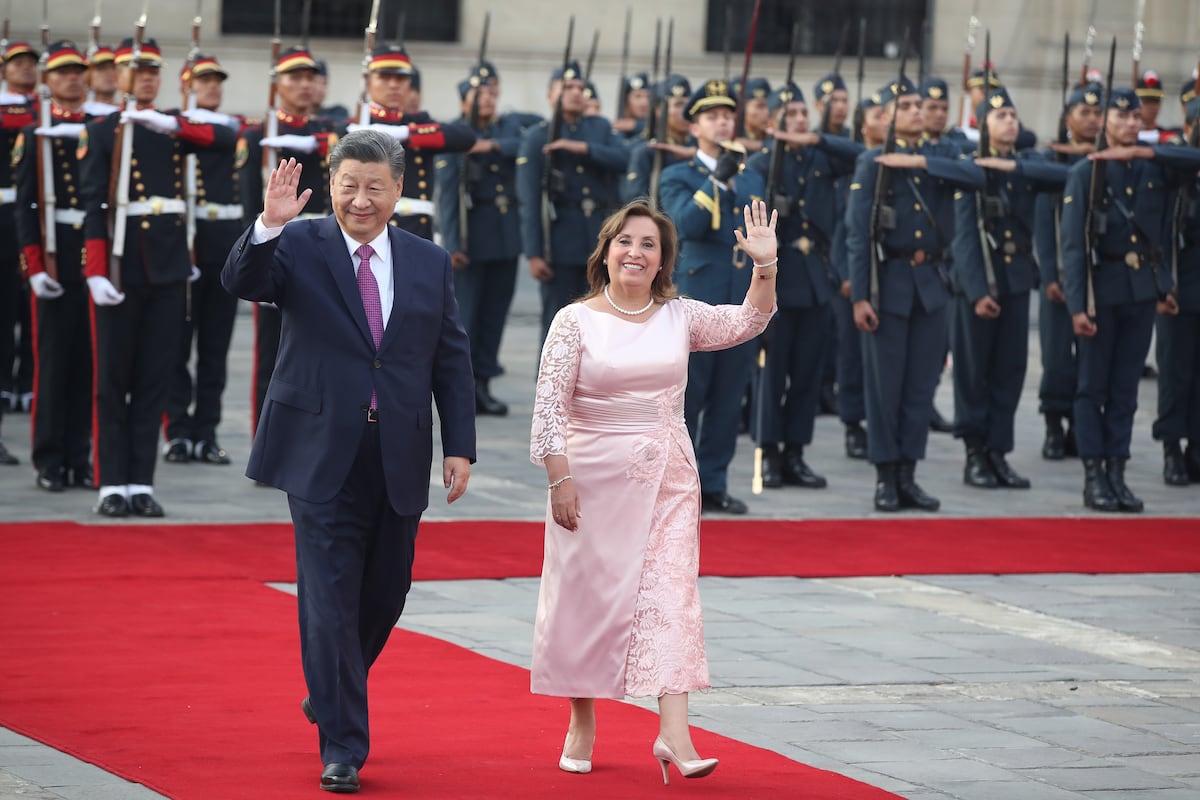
378	363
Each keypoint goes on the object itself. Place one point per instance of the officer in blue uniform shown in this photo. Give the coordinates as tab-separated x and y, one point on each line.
676	144
1056	392
485	265
1178	338
587	159
994	271
905	336
705	197
805	197
1125	271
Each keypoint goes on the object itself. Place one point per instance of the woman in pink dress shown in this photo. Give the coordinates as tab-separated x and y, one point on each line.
619	610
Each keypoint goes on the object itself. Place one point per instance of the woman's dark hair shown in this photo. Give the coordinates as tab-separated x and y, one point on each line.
662	288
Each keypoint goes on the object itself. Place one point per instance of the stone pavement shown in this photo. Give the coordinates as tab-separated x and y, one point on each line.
1019	687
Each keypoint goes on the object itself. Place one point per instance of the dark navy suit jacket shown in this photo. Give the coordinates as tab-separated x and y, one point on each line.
327	366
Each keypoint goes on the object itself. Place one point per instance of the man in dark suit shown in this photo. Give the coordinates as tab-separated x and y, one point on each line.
370	337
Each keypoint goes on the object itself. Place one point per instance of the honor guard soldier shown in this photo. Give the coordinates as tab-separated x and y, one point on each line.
1116	270
389	85
757	113
338	114
485	264
705	197
676	145
45	159
413	104
805	192
1056	392
832	101
897	247
994	271
487	71
935	109
1150	93
102	83
1178	337
591	98
564	202
295	133
138	323
194	406
631	120
16	112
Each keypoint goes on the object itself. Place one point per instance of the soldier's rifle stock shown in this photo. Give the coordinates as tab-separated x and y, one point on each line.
883	216
553	181
1096	221
662	117
123	156
469	166
47	201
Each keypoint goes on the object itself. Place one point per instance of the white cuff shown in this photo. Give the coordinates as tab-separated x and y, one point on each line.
262	233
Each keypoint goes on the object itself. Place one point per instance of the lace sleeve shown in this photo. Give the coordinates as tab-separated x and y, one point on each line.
718	327
555	385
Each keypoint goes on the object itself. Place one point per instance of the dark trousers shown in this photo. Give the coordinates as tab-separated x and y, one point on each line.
484	291
902	362
62	408
354	557
568	284
851	403
1110	367
794	372
213	311
989	369
1178	348
1056	392
136	343
712	406
268	321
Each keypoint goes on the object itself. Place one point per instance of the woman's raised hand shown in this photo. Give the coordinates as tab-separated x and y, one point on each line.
759	241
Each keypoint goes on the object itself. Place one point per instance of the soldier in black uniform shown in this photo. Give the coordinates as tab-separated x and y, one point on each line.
210	310
1124	268
485	265
994	271
294	133
805	199
588	158
389	84
62	419
676	144
337	114
102	82
138	323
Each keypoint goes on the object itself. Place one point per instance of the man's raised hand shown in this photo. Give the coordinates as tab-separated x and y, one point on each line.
281	204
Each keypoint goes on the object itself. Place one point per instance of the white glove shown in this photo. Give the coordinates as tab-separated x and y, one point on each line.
63	130
195	276
203	115
9	99
397	132
292	141
103	292
45	287
94	108
154	120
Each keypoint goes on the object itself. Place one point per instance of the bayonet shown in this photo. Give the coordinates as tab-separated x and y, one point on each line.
623	88
1088	42
972	26
1139	31
369	33
591	59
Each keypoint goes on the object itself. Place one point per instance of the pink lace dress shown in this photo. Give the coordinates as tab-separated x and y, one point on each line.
619	610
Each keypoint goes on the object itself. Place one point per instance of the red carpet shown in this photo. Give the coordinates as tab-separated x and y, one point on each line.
157	653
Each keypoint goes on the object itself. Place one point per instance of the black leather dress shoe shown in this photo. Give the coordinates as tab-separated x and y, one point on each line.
113	505
210	453
340	778
797	473
772	467
1005	474
81	477
178	451
306	707
51	480
856	441
486	404
144	505
722	502
7	457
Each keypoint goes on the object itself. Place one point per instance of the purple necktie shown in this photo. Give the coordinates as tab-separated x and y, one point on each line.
368	289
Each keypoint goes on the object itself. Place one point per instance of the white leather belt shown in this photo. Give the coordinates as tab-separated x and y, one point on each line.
8	194
155	206
69	216
409	207
213	212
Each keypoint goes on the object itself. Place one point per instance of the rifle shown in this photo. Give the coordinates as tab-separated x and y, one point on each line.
776	199
591	59
727	44
1096	223
4	45
1063	133
653	124
622	88
272	119
305	23
1088	42
192	168
552	182
837	68
740	117
883	216
465	176
94	45
123	156
1182	200
663	123
364	98
1139	31
964	118
986	205
857	134
47	201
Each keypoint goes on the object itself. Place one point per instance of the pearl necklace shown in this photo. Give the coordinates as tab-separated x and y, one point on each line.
626	311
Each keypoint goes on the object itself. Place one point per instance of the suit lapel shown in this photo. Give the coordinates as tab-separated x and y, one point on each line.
333	248
403	276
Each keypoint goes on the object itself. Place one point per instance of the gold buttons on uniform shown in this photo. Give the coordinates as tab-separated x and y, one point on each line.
1008	234
1008	259
917	234
916	206
145	225
137	173
579	169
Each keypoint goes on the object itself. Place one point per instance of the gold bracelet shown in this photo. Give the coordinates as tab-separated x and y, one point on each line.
559	482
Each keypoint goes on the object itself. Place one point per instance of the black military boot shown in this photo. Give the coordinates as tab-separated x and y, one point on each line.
798	473
1097	493
886	497
911	495
772	467
1175	471
1054	448
978	470
856	441
1006	475
485	403
1126	500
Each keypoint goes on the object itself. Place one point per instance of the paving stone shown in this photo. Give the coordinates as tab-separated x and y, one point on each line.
1110	779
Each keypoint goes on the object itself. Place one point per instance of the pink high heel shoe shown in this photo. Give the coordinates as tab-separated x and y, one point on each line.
688	769
580	766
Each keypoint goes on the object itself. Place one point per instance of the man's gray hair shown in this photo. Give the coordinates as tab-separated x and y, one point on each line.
369	146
